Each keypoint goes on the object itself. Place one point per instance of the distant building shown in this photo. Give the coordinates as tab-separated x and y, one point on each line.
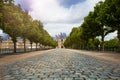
60	38
6	42
61	43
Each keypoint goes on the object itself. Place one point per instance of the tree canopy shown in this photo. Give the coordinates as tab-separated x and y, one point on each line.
18	23
103	20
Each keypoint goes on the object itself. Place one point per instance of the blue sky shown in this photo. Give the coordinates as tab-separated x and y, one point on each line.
65	3
59	15
24	4
69	3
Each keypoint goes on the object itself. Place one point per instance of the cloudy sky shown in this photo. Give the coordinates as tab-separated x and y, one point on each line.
58	15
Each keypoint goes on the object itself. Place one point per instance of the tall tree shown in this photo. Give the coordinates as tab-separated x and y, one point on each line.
26	27
104	29
12	21
112	15
74	39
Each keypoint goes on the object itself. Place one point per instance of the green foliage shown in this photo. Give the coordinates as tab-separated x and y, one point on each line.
11	19
1	7
112	15
112	43
93	43
103	20
18	23
47	40
91	26
74	40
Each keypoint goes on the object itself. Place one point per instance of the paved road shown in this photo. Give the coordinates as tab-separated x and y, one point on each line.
60	64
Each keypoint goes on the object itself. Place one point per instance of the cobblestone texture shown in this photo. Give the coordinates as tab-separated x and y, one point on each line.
61	64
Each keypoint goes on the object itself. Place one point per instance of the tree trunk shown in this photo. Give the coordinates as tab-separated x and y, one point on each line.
14	42
118	40
93	40
36	46
31	45
102	39
24	41
102	44
86	44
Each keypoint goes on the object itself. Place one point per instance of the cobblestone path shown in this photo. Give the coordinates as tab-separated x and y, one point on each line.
61	64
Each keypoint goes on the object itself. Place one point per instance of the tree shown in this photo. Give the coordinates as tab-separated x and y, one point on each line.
112	15
47	40
1	39
12	21
103	29
112	43
27	19
73	40
39	26
91	25
94	43
31	34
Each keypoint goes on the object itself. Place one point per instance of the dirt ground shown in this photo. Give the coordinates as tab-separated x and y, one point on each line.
4	59
115	57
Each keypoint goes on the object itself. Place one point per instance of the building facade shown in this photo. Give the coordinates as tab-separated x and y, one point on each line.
61	43
61	39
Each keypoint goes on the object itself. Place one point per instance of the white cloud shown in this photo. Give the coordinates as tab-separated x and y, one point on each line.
52	11
58	28
111	35
48	11
57	16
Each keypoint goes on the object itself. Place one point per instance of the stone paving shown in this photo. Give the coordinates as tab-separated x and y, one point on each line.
60	64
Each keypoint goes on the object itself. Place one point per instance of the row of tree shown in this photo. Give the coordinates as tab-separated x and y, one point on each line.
18	23
103	20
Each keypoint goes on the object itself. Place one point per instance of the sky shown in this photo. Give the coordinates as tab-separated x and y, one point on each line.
59	15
